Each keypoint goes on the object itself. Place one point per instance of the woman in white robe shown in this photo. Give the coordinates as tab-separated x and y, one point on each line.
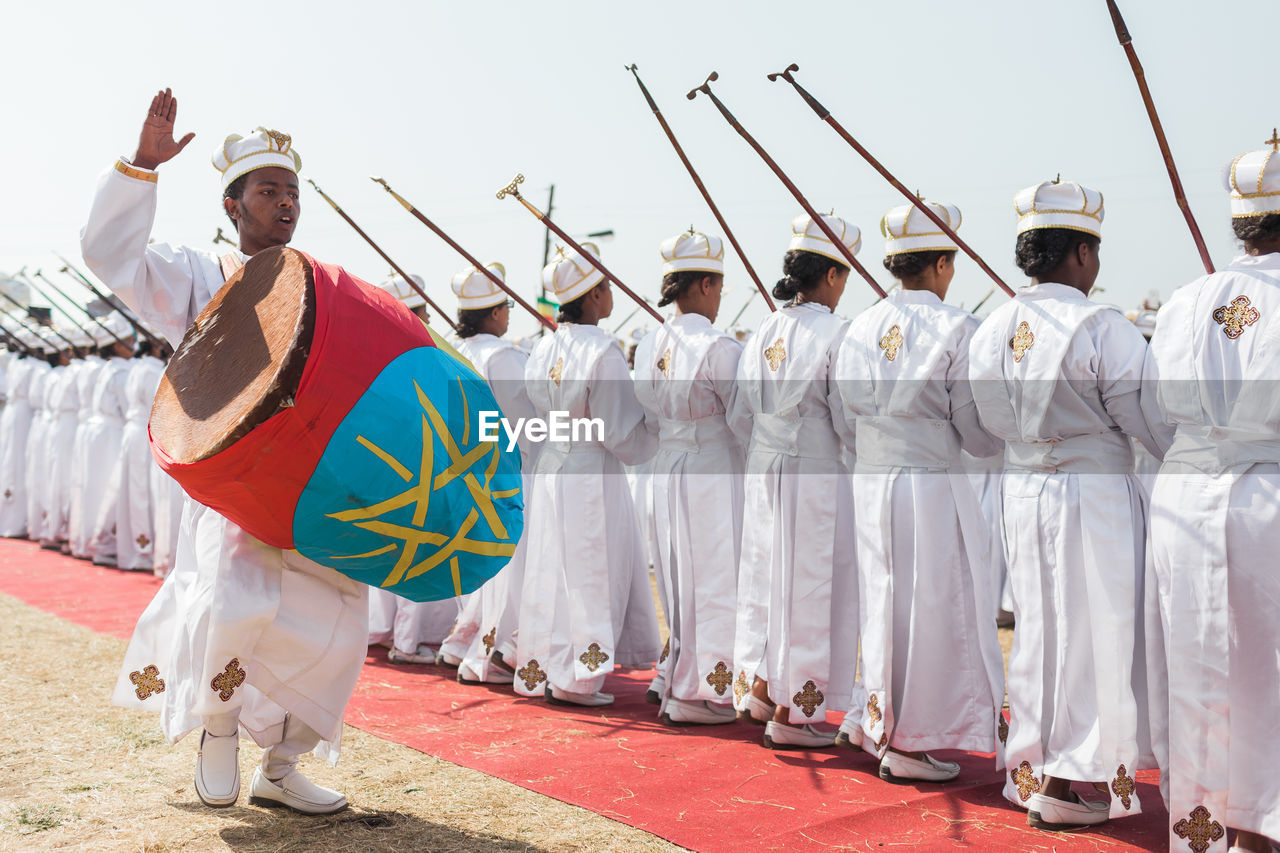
103	441
586	605
685	375
131	479
931	663
796	640
484	639
65	405
1057	377
1215	531
15	424
37	474
81	520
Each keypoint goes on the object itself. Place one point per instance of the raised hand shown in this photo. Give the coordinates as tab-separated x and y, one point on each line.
156	144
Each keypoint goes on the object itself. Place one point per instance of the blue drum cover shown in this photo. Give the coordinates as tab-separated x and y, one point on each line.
369	512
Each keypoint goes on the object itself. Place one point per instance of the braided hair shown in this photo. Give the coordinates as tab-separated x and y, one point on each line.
801	272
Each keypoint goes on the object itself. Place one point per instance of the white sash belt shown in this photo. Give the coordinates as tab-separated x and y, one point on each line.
1101	453
1214	450
691	436
812	438
907	442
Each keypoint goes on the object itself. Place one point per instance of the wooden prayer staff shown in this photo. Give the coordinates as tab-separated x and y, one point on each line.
825	115
16	341
222	238
34	331
69	269
1126	41
512	190
777	170
697	181
40	275
983	301
63	311
546	321
384	255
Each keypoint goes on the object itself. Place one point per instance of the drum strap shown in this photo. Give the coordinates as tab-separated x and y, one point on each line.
230	263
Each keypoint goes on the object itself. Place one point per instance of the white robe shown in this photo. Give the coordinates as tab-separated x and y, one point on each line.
686	378
1057	377
37	474
129	491
238	626
586	604
102	440
64	403
1215	531
489	619
797	623
82	518
931	664
15	424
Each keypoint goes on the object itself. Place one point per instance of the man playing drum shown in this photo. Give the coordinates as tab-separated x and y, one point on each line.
242	635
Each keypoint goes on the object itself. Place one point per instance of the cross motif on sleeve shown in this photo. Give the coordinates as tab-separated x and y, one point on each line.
1199	829
593	657
226	682
720	678
809	698
1021	341
147	682
531	674
1235	317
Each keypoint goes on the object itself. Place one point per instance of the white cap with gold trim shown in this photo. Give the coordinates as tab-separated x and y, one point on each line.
906	229
693	251
240	155
400	289
474	289
571	275
1059	204
807	236
1253	179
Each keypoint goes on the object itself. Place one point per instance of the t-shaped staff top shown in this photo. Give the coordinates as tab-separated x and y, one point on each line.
512	190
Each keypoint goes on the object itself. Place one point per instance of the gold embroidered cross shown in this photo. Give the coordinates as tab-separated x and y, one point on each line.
809	698
226	682
1234	317
592	657
1025	778
557	372
281	140
489	640
891	342
873	710
776	354
531	674
740	687
1123	787
720	678
1274	141
666	650
664	363
142	540
1199	829
147	682
1021	341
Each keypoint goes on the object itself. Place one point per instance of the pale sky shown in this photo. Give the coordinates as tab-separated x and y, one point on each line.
968	102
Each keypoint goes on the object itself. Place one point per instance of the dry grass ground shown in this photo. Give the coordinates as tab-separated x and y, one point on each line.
78	774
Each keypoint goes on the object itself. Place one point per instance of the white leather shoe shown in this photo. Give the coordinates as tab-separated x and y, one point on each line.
657	690
681	712
441	658
779	736
851	740
896	767
556	696
1057	815
755	710
467	675
394	655
295	791
218	770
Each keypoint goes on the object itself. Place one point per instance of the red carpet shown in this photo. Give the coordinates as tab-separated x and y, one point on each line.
713	789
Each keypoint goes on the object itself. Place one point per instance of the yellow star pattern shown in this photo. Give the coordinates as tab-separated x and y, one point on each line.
418	494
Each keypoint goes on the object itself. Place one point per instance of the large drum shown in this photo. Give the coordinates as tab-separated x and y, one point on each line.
318	413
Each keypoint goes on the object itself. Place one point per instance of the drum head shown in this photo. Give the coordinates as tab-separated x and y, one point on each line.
240	362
